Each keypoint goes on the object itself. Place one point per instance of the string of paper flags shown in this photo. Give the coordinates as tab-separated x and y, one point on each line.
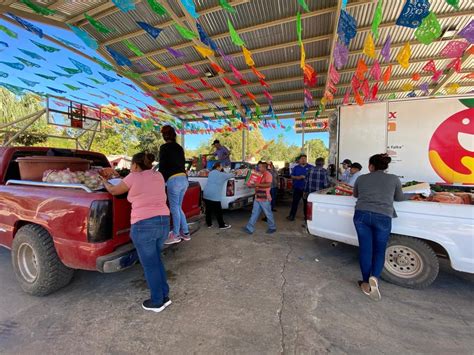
415	15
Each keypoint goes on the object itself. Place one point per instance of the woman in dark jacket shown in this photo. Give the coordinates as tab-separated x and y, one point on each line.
375	193
172	166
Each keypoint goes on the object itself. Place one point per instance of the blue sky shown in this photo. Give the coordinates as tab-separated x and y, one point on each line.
131	98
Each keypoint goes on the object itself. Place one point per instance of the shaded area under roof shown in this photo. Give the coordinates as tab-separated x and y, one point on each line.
268	28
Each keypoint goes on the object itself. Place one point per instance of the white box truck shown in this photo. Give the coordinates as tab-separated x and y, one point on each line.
430	140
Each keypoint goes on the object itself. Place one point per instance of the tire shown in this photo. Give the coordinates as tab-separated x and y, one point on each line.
410	262
37	266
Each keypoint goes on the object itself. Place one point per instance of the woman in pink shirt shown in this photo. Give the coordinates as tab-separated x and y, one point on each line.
150	224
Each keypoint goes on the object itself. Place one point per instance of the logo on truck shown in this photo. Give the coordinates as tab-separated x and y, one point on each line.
451	149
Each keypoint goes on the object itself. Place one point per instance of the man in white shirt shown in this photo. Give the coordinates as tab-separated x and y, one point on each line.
355	172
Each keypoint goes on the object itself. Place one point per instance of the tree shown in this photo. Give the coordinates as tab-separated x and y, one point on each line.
279	150
13	108
233	141
148	141
315	148
115	140
260	149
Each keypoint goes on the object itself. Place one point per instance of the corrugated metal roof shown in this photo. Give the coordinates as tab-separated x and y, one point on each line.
268	28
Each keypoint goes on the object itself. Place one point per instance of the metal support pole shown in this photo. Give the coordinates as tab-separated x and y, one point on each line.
243	144
302	136
24	118
33	120
91	139
183	138
78	144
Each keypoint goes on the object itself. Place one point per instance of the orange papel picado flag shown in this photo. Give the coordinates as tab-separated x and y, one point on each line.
258	74
387	74
361	70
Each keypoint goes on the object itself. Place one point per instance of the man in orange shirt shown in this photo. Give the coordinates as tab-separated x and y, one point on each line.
262	201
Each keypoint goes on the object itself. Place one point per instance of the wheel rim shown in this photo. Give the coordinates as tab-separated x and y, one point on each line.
403	261
27	263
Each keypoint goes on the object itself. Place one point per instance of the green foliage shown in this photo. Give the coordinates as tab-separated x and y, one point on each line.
118	139
258	148
279	150
148	141
13	108
315	148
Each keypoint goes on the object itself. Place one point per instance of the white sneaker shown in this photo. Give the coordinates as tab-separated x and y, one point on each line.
172	239
148	305
226	226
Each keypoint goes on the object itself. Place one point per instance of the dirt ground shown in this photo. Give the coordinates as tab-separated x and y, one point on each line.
234	293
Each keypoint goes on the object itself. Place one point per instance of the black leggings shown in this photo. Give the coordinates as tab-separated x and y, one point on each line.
214	207
297	196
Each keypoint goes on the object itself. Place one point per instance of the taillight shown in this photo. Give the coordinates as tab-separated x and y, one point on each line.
99	225
230	191
309	211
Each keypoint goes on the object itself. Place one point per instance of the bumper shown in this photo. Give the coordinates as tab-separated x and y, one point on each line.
241	202
194	223
121	258
126	256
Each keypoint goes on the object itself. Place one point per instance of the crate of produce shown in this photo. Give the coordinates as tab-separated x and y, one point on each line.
343	190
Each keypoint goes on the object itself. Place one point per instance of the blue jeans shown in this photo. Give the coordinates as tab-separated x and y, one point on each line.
373	231
177	187
258	207
148	237
274	193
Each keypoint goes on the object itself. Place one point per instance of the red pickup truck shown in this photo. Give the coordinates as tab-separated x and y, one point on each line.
53	229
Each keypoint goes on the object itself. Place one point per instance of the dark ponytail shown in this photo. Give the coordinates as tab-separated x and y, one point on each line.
380	161
143	160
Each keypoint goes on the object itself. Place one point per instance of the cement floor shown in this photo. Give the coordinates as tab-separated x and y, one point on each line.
234	293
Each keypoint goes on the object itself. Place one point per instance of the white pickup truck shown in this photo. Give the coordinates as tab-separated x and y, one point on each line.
235	194
422	231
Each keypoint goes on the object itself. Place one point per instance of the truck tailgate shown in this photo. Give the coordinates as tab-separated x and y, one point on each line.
121	215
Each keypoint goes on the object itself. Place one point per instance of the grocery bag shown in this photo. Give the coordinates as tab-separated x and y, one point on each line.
253	177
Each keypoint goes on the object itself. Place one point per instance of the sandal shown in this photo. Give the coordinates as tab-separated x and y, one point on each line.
362	289
374	289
